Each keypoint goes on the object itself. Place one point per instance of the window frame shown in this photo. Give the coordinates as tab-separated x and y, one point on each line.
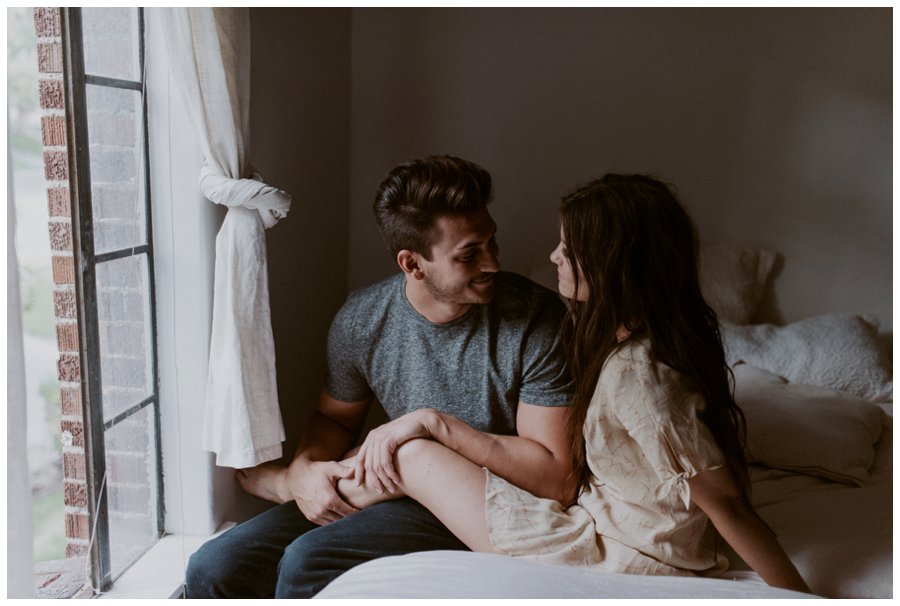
86	259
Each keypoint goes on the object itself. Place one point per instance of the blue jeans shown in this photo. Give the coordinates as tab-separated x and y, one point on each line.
281	554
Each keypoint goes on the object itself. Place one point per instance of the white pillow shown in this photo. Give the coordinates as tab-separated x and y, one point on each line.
807	429
834	351
733	279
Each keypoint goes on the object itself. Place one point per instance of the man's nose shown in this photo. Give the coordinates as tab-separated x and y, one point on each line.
491	263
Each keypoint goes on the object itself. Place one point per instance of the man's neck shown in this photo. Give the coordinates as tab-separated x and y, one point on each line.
437	312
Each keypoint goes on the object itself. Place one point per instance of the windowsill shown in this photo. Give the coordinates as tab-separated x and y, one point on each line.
159	573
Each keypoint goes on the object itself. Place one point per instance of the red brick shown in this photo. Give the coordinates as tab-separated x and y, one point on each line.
74	466
56	165
77	526
75	494
70	401
46	22
74	550
130	499
76	430
52	94
127	467
67	337
53	130
60	236
63	270
69	368
64	303
58	202
49	58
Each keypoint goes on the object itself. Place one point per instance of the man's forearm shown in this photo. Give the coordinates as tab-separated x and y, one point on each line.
520	460
323	440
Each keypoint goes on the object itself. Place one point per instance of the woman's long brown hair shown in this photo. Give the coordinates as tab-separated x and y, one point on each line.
636	248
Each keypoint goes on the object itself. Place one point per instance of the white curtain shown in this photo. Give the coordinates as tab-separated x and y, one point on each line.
209	51
19	547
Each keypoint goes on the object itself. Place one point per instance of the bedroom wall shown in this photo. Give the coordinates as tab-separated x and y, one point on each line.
775	125
300	123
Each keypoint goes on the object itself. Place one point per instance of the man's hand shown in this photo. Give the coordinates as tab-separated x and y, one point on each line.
312	484
375	459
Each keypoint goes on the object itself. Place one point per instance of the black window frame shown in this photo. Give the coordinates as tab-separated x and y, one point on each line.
86	262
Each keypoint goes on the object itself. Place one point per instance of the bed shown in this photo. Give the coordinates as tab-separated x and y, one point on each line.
817	395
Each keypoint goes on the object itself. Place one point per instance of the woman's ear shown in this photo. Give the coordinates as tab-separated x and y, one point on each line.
409	263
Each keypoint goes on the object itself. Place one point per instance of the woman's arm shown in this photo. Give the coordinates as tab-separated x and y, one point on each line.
717	494
537	459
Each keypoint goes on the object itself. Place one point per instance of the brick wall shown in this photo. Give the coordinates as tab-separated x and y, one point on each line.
56	171
115	134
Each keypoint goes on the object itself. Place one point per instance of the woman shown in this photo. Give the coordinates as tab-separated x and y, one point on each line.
657	438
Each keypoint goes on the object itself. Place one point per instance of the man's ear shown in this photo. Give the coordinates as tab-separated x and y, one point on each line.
409	263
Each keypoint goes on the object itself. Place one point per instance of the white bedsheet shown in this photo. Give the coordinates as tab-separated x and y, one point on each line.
840	537
457	574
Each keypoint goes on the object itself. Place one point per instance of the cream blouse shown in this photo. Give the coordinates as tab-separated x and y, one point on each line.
644	440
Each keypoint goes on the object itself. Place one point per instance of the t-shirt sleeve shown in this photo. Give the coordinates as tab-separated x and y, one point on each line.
662	415
546	380
344	379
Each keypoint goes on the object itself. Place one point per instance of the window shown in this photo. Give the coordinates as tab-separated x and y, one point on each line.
114	282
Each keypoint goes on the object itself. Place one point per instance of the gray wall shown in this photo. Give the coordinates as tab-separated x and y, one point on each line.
300	123
774	124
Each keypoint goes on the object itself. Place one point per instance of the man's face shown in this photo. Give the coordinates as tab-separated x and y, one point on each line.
463	259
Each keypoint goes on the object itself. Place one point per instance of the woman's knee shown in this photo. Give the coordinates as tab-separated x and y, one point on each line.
419	451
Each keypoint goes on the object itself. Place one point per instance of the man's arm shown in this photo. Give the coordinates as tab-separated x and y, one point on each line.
311	477
538	459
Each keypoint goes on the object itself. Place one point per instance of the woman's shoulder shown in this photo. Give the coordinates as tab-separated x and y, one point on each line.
633	355
633	376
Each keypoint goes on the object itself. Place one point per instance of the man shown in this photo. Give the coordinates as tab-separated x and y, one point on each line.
451	332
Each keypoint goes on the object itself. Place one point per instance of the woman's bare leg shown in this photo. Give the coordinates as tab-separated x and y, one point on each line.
448	484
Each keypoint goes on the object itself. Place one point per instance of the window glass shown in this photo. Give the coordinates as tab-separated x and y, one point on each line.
121	409
117	167
111	43
124	324
131	471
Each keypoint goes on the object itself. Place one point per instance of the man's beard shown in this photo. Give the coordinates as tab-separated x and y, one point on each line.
457	294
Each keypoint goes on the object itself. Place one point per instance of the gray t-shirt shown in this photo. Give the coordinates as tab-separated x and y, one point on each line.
477	367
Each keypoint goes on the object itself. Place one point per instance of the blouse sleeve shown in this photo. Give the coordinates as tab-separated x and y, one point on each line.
661	414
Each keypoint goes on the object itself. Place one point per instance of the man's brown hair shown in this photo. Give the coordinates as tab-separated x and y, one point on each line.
415	194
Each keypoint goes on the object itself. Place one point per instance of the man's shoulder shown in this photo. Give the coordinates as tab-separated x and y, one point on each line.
368	304
518	293
379	292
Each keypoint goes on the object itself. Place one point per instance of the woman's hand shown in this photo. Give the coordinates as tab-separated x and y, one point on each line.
375	459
